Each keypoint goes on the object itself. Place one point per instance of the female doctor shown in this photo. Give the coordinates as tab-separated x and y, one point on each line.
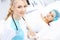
12	28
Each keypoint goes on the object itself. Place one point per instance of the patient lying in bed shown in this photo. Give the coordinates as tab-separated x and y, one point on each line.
49	30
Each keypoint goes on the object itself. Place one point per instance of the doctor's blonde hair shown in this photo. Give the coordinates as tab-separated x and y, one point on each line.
10	12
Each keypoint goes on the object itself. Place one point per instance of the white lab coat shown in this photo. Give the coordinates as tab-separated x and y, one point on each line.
7	32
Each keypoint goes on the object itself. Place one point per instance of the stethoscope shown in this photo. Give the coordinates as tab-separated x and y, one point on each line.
15	22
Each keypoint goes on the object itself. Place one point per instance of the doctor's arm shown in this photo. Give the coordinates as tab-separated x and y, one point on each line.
30	33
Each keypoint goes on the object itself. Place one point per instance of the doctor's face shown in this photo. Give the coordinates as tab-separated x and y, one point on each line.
19	7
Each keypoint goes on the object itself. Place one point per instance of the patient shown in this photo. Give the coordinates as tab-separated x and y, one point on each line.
51	16
43	25
49	27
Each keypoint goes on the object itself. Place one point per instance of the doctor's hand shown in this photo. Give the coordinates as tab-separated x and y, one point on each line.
32	35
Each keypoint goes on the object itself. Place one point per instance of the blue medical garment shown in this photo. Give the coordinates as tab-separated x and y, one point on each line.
57	15
19	33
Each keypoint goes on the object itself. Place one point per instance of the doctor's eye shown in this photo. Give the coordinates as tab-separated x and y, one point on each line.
25	6
19	6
